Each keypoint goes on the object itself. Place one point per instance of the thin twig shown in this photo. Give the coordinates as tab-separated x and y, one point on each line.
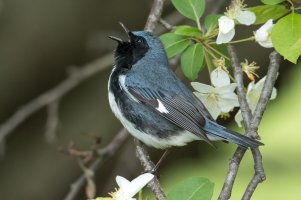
154	15
266	92
103	155
238	74
165	24
259	175
252	125
52	122
54	94
232	173
148	165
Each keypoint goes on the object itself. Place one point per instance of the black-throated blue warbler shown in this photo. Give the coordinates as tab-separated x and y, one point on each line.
153	104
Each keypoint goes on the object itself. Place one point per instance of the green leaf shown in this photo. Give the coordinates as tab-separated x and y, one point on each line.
174	44
195	188
265	12
286	36
192	61
271	2
211	21
295	50
188	31
192	9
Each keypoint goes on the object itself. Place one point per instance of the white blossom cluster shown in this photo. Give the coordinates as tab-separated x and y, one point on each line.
237	12
220	98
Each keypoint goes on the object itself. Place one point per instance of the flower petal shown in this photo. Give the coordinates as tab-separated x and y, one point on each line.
210	103
225	24
274	94
202	88
262	35
219	78
266	44
238	118
246	17
225	37
138	183
267	26
122	182
250	87
227	88
227	104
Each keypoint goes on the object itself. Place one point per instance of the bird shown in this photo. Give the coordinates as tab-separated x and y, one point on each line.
153	104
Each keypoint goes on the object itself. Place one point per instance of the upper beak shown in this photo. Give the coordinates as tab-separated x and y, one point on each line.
125	28
128	32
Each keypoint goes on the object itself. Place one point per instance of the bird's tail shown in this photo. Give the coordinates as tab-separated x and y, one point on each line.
231	136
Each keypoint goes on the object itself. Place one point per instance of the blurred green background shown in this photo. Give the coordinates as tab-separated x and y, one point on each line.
41	39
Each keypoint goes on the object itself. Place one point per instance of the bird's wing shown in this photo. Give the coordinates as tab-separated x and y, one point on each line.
176	109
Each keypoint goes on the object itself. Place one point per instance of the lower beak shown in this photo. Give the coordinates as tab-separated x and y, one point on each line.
116	39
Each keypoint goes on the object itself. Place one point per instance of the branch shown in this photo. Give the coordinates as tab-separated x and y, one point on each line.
265	96
251	125
165	24
154	15
76	77
238	74
232	173
148	165
258	177
266	91
52	122
103	154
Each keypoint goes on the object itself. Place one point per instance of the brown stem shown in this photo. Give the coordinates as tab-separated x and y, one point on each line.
103	155
251	125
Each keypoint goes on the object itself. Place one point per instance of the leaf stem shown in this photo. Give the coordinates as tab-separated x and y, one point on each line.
216	51
208	61
198	24
298	8
211	53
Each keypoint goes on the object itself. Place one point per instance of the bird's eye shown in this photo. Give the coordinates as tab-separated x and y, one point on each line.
139	41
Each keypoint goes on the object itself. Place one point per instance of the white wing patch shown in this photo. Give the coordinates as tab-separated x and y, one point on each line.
161	108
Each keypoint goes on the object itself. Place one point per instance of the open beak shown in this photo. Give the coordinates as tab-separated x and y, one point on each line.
126	31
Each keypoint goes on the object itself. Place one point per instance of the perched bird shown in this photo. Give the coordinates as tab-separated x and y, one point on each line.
153	104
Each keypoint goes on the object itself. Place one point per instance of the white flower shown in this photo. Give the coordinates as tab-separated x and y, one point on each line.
226	30
262	35
226	23
219	77
216	99
253	95
128	189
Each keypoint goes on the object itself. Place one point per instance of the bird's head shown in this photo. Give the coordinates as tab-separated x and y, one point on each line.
140	44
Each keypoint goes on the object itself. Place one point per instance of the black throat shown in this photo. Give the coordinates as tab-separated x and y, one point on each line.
130	52
127	54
